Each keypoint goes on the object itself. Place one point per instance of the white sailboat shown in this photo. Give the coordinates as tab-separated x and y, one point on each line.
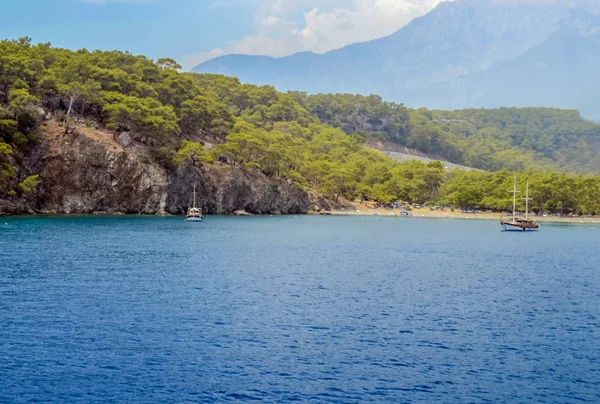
194	214
518	223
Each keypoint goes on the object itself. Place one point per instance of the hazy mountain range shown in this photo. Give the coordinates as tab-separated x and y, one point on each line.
463	54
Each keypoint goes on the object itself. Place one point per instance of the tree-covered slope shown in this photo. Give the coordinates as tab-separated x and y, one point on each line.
181	119
515	138
185	127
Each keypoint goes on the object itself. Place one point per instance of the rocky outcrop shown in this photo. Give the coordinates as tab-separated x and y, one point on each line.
93	173
225	190
124	139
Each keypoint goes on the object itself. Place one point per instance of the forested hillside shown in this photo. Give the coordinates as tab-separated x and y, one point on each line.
514	138
255	128
188	121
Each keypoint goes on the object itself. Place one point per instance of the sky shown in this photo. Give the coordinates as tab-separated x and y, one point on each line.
192	31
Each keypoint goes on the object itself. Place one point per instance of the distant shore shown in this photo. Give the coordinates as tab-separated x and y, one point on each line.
356	211
361	210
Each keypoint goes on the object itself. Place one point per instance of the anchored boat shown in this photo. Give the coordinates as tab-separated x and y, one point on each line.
194	214
518	223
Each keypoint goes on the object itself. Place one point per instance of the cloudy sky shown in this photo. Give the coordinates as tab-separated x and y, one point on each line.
192	31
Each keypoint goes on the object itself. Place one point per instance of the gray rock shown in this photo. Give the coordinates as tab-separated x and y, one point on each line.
7	208
82	175
124	139
41	113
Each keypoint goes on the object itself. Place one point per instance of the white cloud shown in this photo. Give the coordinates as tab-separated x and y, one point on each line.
324	25
270	21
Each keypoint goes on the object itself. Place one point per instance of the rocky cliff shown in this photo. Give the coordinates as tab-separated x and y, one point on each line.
90	172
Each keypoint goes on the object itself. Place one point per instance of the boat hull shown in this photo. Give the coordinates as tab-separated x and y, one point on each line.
512	227
194	219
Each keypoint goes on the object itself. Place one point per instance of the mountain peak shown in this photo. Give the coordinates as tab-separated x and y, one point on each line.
582	22
442	59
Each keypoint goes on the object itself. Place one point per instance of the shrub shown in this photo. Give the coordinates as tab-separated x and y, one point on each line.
60	116
30	184
164	156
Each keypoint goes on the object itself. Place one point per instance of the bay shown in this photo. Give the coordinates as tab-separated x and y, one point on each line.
279	309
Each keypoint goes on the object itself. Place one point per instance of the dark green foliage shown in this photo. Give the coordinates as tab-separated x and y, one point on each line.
315	142
550	192
7	171
369	116
165	157
521	138
29	184
193	153
141	115
514	138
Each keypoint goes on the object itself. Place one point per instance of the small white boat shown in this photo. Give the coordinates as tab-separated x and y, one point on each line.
194	214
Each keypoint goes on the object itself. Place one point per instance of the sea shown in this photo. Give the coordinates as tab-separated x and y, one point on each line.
297	309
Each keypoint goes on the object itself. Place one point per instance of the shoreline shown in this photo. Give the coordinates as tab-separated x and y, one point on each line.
431	214
383	213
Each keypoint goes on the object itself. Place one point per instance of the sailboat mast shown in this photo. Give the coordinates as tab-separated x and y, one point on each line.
194	196
527	201
515	198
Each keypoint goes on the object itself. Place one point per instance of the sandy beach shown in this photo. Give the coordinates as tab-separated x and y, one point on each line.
366	210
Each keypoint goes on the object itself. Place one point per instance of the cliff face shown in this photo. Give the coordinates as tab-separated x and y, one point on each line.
91	173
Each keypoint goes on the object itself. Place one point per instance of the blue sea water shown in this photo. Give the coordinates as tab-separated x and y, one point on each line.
309	309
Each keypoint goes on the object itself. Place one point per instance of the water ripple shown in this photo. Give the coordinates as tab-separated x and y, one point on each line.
316	309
